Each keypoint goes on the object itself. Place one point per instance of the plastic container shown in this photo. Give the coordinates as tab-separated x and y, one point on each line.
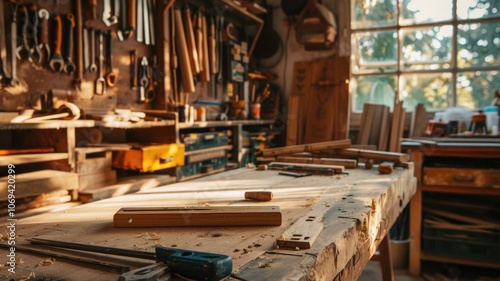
491	117
461	114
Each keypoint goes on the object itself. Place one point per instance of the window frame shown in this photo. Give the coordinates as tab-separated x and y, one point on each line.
453	70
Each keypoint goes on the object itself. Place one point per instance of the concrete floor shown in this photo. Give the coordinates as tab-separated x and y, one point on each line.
372	273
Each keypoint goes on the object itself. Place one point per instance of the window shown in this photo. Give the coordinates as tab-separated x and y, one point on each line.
443	53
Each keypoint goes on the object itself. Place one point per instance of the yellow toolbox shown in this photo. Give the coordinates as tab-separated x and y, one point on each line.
149	157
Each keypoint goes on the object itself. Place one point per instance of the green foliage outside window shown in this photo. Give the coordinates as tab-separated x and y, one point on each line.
426	54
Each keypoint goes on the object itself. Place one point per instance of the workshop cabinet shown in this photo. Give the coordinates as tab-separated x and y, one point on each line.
454	214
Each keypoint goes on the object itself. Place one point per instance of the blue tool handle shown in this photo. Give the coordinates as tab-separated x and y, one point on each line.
195	265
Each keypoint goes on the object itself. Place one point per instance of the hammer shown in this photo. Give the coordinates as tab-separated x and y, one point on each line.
67	111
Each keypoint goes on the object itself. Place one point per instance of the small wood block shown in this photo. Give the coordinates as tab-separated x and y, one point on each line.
385	168
198	216
303	233
259	195
39	182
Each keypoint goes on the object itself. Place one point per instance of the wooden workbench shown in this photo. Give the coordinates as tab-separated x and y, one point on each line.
359	209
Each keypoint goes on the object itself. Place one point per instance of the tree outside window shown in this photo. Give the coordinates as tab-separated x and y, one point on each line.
443	54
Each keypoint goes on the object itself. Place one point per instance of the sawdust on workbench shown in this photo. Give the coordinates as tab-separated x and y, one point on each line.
46	262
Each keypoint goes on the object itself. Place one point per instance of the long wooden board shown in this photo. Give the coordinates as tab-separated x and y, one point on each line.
347	163
198	216
313	147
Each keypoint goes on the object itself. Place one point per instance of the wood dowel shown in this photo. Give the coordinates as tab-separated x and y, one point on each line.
187	74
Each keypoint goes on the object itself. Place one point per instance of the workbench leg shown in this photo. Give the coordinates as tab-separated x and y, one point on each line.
386	259
416	218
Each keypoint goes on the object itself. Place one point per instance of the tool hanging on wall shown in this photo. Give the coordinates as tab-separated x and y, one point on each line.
34	48
100	82
44	32
316	27
57	62
24	50
79	47
69	67
111	76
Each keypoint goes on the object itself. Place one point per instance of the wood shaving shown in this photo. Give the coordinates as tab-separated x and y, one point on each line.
150	236
264	265
46	262
25	278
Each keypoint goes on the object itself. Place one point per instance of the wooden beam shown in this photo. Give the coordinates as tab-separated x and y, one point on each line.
313	147
198	216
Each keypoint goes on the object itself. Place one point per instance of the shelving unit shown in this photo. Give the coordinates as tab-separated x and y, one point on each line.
471	179
60	135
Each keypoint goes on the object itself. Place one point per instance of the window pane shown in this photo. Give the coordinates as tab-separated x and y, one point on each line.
431	89
422	11
476	90
375	51
377	89
373	13
427	48
476	9
478	44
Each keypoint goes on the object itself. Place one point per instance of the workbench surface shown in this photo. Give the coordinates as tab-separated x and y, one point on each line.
359	209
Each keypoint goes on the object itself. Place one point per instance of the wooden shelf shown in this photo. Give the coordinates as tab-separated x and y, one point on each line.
53	124
468	262
224	123
31	158
138	125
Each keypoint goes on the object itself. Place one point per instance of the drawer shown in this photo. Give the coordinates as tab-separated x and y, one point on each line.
462	177
149	158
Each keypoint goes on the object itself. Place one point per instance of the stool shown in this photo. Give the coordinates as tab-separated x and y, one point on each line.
478	124
384	257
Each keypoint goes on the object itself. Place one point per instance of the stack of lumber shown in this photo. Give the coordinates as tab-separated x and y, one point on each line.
323	153
381	128
318	108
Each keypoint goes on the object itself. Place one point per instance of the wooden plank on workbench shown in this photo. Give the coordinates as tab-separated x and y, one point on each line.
347	163
303	233
198	216
313	147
